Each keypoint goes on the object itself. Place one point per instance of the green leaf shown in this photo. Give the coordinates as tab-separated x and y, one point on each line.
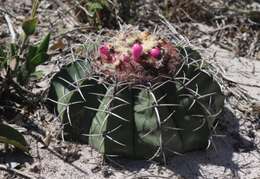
3	59
29	26
44	45
3	53
37	54
32	52
94	7
13	49
37	60
30	55
9	135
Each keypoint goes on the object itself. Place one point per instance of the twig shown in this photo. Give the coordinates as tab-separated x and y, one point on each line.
10	26
4	11
253	45
17	172
67	11
84	9
73	30
21	90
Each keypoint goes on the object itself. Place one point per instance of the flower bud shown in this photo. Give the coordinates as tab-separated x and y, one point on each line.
104	52
155	52
137	50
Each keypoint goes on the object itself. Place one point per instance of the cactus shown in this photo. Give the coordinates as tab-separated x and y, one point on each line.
141	96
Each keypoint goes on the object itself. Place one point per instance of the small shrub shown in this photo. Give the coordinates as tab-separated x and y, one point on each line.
18	62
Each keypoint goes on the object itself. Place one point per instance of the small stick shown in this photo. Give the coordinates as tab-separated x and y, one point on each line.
11	28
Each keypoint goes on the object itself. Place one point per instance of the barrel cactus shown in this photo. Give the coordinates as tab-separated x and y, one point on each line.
139	95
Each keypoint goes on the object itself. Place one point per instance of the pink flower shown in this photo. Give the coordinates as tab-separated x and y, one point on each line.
137	50
155	52
126	58
104	52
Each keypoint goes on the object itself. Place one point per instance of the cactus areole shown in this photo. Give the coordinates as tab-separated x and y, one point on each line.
142	96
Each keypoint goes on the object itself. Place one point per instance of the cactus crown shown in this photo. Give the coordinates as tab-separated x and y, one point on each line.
136	56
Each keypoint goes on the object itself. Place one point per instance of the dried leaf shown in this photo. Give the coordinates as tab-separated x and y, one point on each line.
3	73
58	45
47	139
12	64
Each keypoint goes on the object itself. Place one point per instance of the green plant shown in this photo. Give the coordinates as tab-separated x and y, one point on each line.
18	62
96	12
102	13
10	136
143	97
19	58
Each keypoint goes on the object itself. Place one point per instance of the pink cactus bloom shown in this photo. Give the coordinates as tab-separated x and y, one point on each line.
104	52
137	50
155	52
126	58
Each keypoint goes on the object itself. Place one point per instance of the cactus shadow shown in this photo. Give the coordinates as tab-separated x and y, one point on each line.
219	158
14	159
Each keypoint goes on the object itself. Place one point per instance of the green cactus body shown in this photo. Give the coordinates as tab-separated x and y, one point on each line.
112	129
145	120
155	126
70	99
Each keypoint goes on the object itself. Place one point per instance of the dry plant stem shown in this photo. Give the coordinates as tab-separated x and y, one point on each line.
84	9
21	90
10	26
73	30
17	172
253	45
25	39
67	10
36	4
